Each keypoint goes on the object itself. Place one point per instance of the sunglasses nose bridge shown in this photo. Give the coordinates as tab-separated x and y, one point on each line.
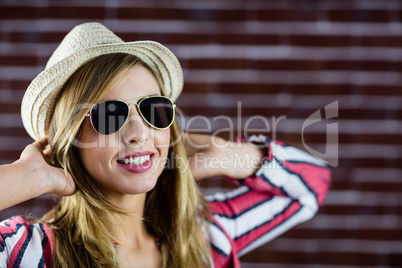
135	116
133	109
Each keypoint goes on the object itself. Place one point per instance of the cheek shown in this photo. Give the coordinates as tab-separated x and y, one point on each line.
89	138
87	133
92	155
162	141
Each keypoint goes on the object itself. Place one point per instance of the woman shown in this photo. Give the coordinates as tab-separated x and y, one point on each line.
127	173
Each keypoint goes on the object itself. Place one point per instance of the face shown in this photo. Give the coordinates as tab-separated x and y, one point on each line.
107	158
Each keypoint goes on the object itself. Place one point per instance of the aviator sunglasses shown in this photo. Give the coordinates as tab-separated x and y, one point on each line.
110	116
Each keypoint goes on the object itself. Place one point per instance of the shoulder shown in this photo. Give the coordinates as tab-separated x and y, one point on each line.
12	229
22	241
16	227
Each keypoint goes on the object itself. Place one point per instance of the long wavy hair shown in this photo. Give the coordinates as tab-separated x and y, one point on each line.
175	210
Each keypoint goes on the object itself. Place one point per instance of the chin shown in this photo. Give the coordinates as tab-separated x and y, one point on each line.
141	188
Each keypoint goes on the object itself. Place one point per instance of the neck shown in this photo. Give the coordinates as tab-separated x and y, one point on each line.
131	231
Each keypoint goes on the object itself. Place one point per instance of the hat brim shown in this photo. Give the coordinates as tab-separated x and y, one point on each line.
40	94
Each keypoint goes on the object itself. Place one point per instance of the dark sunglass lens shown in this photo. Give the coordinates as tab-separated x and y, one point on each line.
157	111
109	116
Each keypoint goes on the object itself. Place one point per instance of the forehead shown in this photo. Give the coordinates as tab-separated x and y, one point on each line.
136	82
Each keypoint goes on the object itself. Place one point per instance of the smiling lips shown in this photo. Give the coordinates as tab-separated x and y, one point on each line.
136	163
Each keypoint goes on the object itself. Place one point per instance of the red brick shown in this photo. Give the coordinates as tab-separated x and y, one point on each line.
18	84
14	12
9	155
390	234
34	37
344	138
383	41
182	14
83	12
13	132
319	40
10	108
292	64
291	112
358	209
288	15
377	162
363	15
366	65
66	12
347	183
18	60
299	89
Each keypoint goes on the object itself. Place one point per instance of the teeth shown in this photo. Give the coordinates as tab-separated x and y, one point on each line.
137	160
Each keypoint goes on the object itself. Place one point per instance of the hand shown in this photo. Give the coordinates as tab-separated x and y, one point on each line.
211	156
55	181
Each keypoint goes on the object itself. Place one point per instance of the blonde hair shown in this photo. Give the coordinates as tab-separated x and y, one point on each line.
175	210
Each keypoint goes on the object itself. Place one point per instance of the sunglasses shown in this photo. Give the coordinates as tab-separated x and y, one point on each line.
110	116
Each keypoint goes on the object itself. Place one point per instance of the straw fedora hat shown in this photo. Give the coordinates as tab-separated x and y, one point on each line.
83	43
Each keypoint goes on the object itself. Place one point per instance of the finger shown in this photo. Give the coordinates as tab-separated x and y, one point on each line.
41	143
47	151
48	154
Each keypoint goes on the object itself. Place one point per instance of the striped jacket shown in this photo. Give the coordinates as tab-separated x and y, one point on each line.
285	191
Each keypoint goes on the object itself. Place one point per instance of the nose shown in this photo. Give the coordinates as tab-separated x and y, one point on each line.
135	131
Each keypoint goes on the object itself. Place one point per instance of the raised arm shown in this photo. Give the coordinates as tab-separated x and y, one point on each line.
31	176
284	190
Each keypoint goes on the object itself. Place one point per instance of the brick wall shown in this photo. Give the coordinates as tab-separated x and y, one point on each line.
283	60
